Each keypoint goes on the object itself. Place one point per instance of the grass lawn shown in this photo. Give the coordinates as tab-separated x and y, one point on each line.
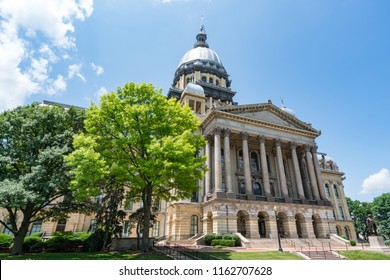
85	256
269	255
364	255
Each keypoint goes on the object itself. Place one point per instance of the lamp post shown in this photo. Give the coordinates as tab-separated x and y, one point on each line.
277	228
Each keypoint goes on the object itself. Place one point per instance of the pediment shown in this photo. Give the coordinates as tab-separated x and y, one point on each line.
269	114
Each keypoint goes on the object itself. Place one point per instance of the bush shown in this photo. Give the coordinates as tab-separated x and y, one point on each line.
5	240
233	237
63	242
387	242
353	242
33	243
82	235
39	234
208	238
95	241
223	242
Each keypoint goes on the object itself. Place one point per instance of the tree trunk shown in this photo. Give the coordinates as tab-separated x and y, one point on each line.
17	247
147	214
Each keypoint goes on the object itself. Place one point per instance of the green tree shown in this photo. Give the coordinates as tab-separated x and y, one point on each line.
146	142
381	214
33	174
359	211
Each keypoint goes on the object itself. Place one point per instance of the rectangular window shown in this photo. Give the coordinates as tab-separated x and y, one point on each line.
128	205
341	212
126	228
156	229
36	227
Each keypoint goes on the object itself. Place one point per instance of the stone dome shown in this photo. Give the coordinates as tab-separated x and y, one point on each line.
193	88
201	53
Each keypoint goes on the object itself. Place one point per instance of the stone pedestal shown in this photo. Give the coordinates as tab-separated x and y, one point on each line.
377	243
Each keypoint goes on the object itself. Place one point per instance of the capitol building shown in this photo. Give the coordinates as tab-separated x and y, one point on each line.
265	172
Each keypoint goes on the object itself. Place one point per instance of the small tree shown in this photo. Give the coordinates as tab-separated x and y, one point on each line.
147	142
33	174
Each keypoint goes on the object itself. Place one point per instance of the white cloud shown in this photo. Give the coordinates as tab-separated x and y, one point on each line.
74	70
101	91
377	183
98	69
23	70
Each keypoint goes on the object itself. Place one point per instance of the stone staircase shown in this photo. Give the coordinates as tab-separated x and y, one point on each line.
321	255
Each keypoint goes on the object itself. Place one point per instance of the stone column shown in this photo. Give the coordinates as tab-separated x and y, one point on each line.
228	174
297	172
208	164
312	175
282	175
264	166
217	160
318	173
247	169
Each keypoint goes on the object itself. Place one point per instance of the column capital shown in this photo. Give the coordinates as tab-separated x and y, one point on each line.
226	132
261	139
308	148
208	138
314	149
217	131
244	135
293	145
278	142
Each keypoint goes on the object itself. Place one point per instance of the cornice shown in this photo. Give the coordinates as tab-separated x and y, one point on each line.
225	114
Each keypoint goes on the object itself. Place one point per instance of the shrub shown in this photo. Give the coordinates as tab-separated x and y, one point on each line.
223	242
95	241
63	242
82	235
233	237
33	243
353	242
208	238
5	240
39	234
387	242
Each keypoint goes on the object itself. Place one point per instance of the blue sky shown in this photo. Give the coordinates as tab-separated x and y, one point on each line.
328	60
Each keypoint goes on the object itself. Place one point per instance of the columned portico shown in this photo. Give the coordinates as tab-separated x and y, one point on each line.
282	175
217	161
208	164
297	172
228	175
264	167
312	175
247	171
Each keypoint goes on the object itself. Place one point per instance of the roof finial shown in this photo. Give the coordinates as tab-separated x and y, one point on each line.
202	28
281	99
201	37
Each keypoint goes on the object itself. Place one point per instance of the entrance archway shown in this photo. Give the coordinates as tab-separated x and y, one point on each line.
316	225
282	224
262	224
242	222
299	222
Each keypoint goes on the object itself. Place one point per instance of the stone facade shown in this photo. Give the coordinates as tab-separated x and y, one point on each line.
264	171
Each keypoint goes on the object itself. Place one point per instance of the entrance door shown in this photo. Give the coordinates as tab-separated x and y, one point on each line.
241	223
262	229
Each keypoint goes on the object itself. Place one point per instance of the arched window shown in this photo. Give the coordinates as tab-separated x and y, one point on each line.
257	189
188	80
204	79
194	225
211	80
240	161
254	162
347	232
242	187
217	82
336	192
327	191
